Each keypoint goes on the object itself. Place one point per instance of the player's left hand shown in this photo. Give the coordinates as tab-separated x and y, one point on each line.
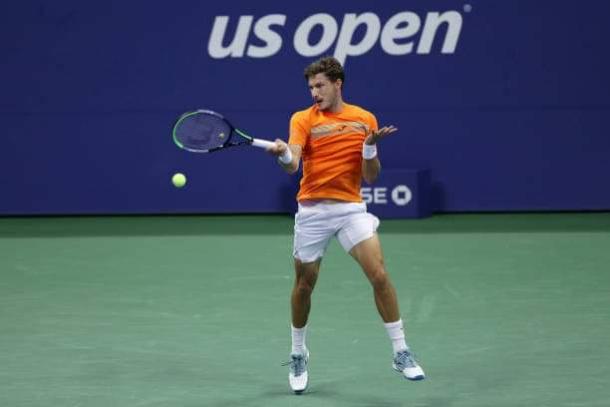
375	136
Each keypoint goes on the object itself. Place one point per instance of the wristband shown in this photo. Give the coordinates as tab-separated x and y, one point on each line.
286	157
369	151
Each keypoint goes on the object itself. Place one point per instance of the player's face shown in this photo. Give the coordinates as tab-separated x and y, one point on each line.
326	94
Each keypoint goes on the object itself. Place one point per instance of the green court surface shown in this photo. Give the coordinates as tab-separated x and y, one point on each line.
501	310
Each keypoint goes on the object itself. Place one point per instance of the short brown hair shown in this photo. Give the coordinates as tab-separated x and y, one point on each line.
329	66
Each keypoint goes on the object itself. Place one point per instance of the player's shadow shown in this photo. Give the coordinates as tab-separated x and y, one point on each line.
328	392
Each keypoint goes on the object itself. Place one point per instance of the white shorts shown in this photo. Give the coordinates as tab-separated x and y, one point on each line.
316	222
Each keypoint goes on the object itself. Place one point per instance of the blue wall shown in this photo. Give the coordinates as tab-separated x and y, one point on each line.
513	118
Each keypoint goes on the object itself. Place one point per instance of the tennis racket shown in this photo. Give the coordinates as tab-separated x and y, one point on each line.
205	131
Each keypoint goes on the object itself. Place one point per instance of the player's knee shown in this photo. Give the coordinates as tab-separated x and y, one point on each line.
305	287
305	283
306	276
379	278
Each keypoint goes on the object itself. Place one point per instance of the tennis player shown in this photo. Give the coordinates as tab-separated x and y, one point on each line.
337	143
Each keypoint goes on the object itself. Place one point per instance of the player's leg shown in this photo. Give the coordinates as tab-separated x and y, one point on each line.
359	238
369	255
311	237
306	275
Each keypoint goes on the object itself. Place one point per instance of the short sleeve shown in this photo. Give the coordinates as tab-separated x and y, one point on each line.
298	130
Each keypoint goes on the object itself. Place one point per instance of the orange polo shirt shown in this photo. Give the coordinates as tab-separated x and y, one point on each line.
332	151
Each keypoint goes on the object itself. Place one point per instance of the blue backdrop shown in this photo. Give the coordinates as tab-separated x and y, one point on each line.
505	102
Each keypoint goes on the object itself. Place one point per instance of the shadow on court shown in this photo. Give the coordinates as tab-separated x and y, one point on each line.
330	394
195	225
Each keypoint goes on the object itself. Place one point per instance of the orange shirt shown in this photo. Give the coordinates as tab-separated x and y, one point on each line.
332	151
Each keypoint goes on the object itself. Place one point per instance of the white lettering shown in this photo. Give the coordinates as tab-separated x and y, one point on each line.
401	195
272	40
329	33
237	46
397	36
433	22
399	26
349	27
365	193
379	195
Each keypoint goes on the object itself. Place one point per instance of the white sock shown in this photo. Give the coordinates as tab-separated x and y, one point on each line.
298	340
397	335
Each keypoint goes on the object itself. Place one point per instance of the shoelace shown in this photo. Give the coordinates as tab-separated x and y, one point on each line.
405	359
297	364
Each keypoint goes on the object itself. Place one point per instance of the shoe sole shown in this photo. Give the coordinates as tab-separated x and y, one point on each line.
298	392
413	379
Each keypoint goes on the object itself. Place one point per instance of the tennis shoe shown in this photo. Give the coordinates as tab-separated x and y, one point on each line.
297	374
405	363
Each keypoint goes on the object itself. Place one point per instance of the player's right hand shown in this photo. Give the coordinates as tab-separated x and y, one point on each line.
280	147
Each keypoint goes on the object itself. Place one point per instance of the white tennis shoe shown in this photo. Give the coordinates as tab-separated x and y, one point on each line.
297	375
405	363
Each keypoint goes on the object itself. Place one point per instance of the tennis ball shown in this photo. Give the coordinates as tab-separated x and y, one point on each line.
179	180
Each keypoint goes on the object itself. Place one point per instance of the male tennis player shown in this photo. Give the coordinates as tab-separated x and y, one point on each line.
337	142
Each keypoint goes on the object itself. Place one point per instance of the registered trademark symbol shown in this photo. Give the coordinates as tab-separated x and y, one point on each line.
467	8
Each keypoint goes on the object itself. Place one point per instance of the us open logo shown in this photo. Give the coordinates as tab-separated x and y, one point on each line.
403	33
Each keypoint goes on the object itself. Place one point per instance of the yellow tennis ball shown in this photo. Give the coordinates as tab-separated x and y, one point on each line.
179	180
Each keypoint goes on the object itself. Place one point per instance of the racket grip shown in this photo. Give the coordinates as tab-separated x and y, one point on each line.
256	142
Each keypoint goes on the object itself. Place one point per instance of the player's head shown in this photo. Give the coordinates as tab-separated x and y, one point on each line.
325	78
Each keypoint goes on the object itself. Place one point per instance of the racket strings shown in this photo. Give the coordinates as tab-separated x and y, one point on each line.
202	132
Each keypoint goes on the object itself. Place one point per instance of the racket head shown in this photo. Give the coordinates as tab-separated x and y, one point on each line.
204	131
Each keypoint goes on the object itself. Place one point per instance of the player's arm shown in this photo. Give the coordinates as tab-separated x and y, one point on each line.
289	155
370	169
371	166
